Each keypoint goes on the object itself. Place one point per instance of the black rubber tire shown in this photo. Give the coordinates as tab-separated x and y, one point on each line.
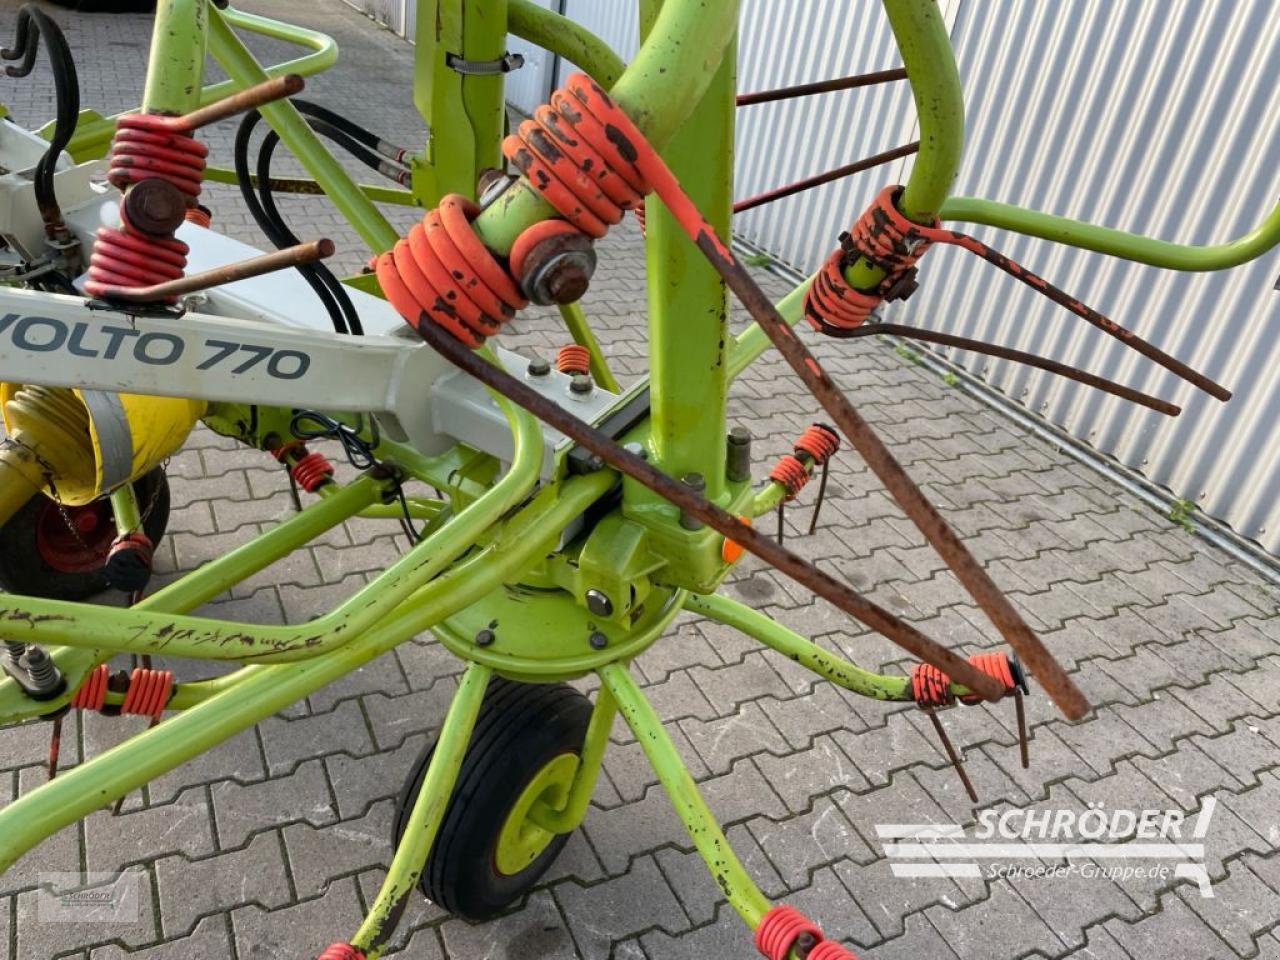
521	728
24	571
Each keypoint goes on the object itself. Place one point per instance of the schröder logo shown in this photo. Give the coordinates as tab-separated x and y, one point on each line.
1003	843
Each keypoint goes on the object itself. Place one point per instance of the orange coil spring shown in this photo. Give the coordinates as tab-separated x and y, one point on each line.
884	237
148	692
573	359
92	693
993	664
779	928
819	441
932	688
312	471
581	152
791	473
442	273
145	146
200	215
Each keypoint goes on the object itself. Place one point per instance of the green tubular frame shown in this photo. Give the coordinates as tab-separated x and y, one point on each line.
501	530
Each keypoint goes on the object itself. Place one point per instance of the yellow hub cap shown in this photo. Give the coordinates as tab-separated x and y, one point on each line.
521	841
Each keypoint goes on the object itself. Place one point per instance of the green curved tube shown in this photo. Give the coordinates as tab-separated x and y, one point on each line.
566	39
1117	243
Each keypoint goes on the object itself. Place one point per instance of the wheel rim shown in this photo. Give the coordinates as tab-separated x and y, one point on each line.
521	841
82	551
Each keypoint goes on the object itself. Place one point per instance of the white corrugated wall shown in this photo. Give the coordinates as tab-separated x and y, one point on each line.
1160	118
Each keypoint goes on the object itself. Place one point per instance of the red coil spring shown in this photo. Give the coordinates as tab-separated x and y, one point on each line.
312	471
137	542
932	688
819	441
831	950
200	215
92	693
442	273
886	238
779	928
145	146
573	359
148	692
791	473
341	951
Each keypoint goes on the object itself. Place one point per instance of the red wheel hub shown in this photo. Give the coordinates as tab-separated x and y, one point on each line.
83	550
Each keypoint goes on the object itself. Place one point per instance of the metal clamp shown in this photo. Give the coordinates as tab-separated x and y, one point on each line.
484	68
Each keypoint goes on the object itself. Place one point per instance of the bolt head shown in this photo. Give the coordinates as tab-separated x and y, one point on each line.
695	481
580	384
739	436
155	206
539	367
485	637
598	640
598	602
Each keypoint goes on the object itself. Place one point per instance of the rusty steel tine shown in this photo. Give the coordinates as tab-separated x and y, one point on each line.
781	520
277	88
822	493
806	574
1091	316
1020	709
241	270
839	173
1017	356
952	755
896	481
55	747
822	86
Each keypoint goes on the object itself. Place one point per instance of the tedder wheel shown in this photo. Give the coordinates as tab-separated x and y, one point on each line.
41	556
525	746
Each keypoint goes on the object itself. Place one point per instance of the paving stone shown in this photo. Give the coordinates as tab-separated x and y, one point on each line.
191	888
1175	933
1242	907
1001	925
690	880
301	930
242	810
45	927
184	826
357	844
615	909
342	730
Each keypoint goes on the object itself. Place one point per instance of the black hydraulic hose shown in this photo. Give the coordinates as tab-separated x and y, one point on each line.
351	319
370	139
277	233
34	24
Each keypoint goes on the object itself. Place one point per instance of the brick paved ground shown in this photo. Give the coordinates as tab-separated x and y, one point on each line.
270	845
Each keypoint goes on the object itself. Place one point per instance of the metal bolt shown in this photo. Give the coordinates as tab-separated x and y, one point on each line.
558	269
598	640
485	637
738	455
16	650
42	671
538	367
599	603
636	448
155	206
581	384
804	944
697	483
